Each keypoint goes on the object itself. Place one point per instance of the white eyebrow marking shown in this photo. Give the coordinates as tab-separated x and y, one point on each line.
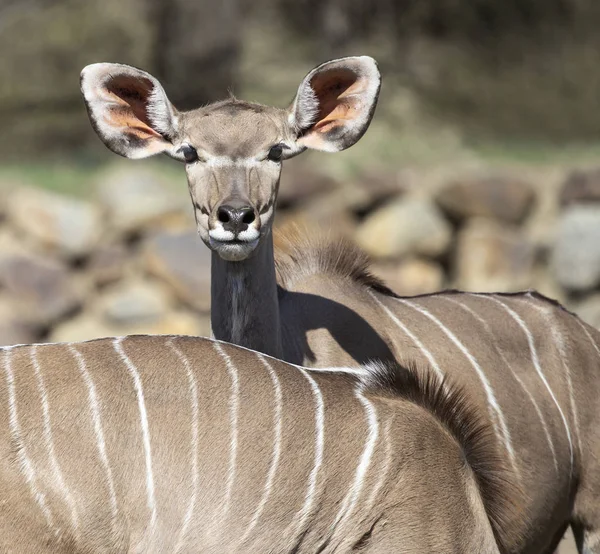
536	364
497	417
277	423
139	393
95	409
49	442
193	389
411	335
349	502
226	161
25	464
319	448
233	422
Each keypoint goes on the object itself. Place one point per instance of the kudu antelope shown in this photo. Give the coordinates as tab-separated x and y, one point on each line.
532	367
180	444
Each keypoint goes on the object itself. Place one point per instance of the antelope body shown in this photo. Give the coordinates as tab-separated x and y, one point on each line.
532	368
180	444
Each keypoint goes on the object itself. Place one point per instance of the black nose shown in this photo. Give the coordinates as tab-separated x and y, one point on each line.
235	219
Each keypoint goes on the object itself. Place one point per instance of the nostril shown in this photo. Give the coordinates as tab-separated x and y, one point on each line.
248	217
223	215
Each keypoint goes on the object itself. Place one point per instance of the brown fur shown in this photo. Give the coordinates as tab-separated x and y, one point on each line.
428	503
456	411
303	255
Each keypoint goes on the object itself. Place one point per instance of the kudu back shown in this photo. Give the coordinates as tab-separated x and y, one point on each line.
180	444
532	368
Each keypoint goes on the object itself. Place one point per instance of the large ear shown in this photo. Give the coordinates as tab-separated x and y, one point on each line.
128	109
335	103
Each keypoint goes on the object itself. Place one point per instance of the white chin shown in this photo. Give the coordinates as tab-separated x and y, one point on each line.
233	252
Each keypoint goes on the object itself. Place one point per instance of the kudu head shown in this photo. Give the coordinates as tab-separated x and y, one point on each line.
233	150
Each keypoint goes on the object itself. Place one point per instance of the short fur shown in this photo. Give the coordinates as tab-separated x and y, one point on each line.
456	411
303	255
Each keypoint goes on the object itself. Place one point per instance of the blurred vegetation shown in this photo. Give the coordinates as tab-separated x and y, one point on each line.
512	79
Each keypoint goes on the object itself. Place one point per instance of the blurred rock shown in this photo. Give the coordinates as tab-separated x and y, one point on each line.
88	326
43	289
5	191
410	277
10	243
84	326
589	310
300	184
137	199
108	264
182	322
575	259
322	216
404	227
581	187
499	198
378	188
182	261
133	301
59	223
491	257
13	328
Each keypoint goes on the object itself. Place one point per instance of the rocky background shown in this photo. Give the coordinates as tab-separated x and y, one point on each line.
128	260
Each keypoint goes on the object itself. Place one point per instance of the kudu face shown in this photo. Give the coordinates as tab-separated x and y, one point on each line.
233	150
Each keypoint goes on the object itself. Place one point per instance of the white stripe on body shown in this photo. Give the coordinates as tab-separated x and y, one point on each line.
98	431
25	464
139	393
234	399
49	443
349	503
496	415
560	345
305	511
432	361
193	389
384	470
536	364
274	463
502	356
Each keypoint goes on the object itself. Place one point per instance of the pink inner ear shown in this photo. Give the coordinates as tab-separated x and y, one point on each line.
339	92
129	96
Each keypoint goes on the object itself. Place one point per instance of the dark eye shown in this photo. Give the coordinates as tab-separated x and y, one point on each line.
275	153
189	153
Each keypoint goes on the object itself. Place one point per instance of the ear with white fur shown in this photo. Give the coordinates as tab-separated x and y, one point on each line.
335	103
129	110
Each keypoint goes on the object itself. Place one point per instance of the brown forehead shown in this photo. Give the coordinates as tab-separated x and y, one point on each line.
234	128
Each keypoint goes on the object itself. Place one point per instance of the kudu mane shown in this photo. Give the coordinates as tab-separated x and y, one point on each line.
302	254
454	409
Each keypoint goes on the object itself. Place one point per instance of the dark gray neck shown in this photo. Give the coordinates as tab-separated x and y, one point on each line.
244	305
